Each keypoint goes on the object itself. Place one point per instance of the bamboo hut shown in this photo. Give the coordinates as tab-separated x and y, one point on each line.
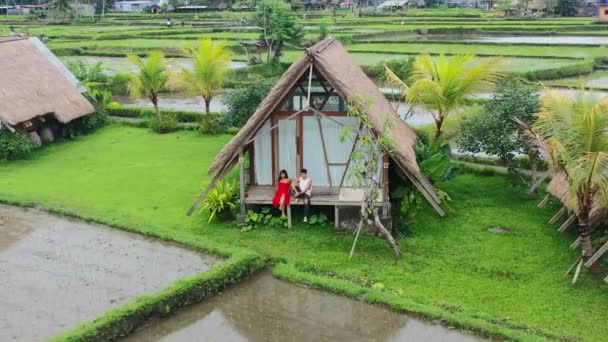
298	125
36	90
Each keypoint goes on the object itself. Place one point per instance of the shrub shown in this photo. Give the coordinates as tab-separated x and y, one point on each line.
86	124
263	218
221	201
14	145
142	112
165	123
119	84
211	123
232	130
244	100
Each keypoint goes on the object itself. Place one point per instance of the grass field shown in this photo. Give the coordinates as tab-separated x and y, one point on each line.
129	176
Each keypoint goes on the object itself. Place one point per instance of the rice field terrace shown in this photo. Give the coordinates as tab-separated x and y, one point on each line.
372	40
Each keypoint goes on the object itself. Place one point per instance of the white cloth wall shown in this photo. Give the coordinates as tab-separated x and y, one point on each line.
262	146
287	147
337	151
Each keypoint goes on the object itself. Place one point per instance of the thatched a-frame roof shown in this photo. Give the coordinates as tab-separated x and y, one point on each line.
338	68
560	188
35	83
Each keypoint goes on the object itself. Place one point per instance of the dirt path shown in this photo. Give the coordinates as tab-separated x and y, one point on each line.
56	273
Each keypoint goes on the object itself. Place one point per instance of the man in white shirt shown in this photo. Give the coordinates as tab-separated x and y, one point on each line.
303	189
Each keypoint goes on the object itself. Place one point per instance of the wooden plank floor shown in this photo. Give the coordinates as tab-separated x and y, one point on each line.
323	196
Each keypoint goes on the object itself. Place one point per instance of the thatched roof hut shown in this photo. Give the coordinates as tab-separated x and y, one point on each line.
324	79
35	83
559	187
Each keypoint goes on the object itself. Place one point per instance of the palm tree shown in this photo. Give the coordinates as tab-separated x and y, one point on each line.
575	133
150	79
211	62
444	83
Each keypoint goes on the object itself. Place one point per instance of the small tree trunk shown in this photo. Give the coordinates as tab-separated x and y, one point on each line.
154	100
207	104
387	235
583	226
438	125
533	169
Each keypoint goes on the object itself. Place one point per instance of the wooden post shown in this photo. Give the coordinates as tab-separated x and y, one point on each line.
544	202
337	217
567	224
576	243
289	216
557	216
242	181
597	255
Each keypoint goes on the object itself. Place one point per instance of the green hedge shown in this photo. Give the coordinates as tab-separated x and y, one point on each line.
125	319
142	112
578	69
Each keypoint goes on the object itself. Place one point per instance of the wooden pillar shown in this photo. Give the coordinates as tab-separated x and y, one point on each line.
242	181
385	188
337	217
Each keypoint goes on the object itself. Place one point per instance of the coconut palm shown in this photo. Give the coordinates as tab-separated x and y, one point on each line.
575	132
150	79
443	84
211	62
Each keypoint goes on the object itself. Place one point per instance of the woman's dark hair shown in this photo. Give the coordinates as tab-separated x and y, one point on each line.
283	172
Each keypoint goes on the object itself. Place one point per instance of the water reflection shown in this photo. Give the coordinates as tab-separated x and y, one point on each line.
267	309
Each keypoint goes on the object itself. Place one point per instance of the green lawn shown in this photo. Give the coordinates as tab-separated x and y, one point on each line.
129	176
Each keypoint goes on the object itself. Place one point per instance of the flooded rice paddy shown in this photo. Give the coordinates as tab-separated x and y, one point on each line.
267	309
56	272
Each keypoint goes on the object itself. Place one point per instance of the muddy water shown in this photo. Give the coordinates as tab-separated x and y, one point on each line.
267	309
56	273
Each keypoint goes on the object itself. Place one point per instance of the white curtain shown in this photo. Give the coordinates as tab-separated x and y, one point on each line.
287	147
337	151
262	146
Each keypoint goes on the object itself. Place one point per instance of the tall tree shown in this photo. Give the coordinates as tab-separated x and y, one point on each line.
211	62
150	79
495	130
64	7
576	139
443	84
278	25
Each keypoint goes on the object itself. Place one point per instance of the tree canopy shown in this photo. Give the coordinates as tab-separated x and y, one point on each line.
278	25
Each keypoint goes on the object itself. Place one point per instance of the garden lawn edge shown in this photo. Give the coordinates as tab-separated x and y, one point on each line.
478	323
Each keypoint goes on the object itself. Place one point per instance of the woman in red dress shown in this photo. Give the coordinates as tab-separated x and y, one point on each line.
281	197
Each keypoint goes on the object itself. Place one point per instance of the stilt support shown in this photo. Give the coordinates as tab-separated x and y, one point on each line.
567	224
544	202
289	216
558	215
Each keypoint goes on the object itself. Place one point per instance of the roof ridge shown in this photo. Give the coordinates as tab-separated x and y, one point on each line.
8	39
322	45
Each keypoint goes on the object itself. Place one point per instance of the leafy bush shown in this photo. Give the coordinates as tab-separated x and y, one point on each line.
319	220
244	100
221	201
119	84
211	123
142	112
14	145
92	77
263	218
401	67
323	30
232	130
86	124
165	123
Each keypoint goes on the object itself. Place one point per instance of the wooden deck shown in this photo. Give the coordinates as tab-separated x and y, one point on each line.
321	196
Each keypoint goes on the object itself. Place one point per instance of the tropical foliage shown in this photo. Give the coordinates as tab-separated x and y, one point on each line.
496	130
243	100
278	26
442	84
14	145
221	201
574	133
150	79
211	61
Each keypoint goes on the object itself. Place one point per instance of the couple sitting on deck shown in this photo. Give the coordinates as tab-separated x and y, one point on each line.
300	188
